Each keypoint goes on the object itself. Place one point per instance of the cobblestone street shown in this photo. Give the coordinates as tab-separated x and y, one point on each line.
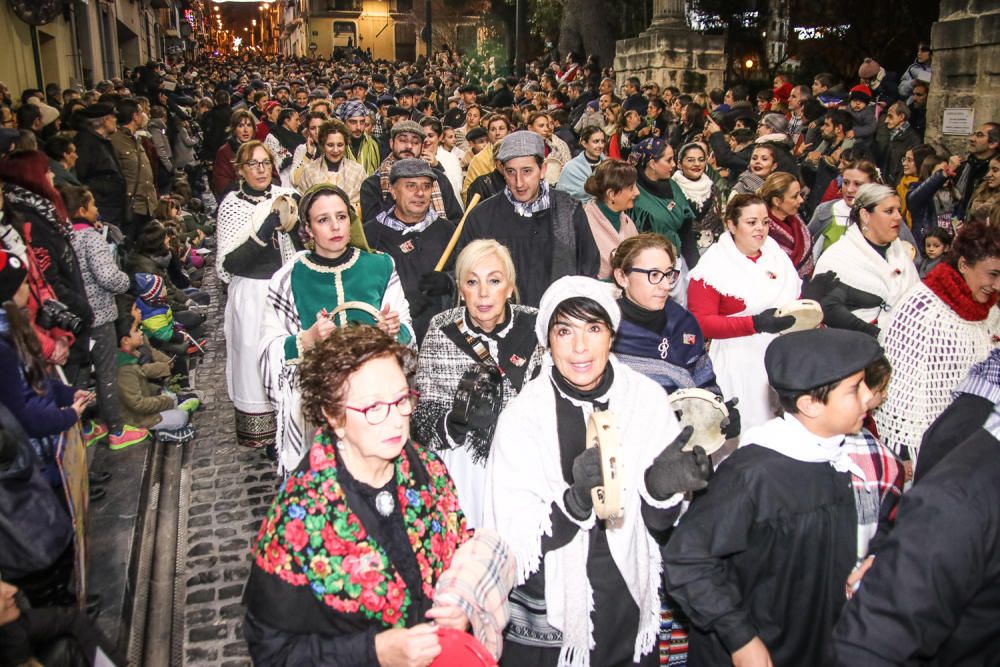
230	489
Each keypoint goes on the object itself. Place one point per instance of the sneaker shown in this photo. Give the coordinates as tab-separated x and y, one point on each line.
94	432
198	348
128	436
189	405
179	436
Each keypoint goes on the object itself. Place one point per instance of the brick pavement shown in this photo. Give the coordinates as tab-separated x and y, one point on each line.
230	490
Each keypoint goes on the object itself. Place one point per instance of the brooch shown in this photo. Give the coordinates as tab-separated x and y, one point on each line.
689	339
517	361
406	246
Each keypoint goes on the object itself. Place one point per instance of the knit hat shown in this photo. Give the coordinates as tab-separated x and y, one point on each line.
12	274
522	143
410	168
861	92
353	109
775	122
569	287
270	105
782	92
407	126
804	360
869	69
149	286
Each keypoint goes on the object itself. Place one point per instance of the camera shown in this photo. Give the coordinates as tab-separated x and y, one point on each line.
56	314
477	405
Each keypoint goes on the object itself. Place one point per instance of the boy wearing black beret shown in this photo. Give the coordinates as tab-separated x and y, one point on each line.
760	560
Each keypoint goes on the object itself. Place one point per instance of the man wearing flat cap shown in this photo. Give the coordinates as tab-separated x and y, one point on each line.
545	229
406	140
762	559
415	236
97	165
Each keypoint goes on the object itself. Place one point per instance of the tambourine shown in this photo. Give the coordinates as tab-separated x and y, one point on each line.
703	411
287	210
807	313
602	432
353	305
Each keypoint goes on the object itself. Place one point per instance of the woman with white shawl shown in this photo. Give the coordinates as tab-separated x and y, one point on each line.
251	247
587	589
734	293
703	197
871	261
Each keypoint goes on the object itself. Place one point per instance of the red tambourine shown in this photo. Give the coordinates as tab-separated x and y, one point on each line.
460	649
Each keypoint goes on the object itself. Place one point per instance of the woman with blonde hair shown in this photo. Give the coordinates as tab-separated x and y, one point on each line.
487	332
614	191
782	193
251	246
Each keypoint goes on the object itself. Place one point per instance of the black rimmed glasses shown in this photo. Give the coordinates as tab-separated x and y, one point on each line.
655	276
258	164
377	412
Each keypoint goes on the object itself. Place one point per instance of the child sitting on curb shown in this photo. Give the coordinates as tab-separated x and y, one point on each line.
143	402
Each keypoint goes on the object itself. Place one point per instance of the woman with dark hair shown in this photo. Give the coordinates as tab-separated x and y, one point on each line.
302	294
931	200
333	166
587	588
661	206
348	558
872	261
782	194
913	159
224	170
283	139
691	127
45	226
763	163
614	191
938	331
626	134
576	172
251	245
734	293
704	198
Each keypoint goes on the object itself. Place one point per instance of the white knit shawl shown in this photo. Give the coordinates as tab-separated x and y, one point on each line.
857	264
770	282
931	350
524	478
235	222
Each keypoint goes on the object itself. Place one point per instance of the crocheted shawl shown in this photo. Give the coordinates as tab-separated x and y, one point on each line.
949	286
312	537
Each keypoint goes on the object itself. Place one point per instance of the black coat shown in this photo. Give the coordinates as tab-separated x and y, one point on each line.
764	551
892	159
215	126
373	203
97	168
932	596
966	414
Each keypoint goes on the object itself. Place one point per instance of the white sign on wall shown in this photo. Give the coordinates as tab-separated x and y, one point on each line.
958	121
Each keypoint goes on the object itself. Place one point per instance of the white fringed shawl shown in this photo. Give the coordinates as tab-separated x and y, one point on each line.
524	479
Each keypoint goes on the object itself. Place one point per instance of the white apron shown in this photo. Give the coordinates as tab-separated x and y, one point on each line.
244	328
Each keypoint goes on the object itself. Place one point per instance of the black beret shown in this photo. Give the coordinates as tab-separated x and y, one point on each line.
397	111
475	133
805	360
454	118
95	111
378	78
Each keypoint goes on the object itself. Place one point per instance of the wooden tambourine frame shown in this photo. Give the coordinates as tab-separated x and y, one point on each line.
602	432
706	419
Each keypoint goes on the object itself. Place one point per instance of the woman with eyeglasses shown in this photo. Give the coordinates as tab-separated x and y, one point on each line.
301	297
348	557
250	248
734	293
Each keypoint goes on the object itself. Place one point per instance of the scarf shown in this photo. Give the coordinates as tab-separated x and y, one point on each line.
289	140
659	189
949	286
437	199
697	192
43	206
653	320
311	537
366	153
793	237
902	127
528	209
789	437
389	219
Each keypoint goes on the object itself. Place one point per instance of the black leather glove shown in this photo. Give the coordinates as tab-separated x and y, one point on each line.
837	307
418	303
586	475
480	419
819	286
676	471
268	227
768	322
435	283
731	424
856	299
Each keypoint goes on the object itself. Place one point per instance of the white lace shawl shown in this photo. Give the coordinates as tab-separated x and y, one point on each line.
235	223
524	479
931	350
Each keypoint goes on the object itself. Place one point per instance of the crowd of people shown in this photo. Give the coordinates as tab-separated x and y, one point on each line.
443	285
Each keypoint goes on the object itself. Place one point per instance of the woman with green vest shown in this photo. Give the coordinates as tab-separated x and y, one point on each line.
302	297
661	206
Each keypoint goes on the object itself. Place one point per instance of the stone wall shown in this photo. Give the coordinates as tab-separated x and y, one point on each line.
664	55
966	45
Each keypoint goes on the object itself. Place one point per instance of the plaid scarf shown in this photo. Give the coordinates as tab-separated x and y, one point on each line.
882	483
528	209
389	219
902	127
437	199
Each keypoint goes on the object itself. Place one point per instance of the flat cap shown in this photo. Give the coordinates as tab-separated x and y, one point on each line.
386	99
521	144
406	92
410	168
809	359
475	133
99	110
407	126
397	111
